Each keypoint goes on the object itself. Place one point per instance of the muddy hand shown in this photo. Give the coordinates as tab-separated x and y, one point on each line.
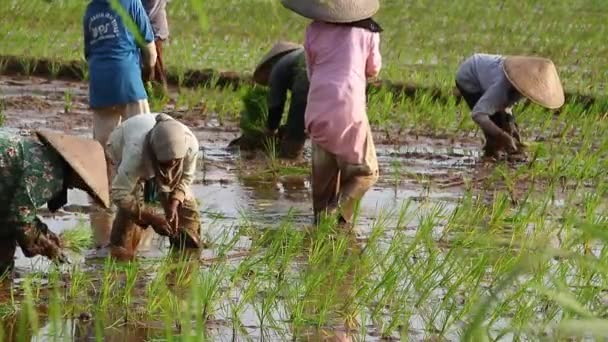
50	246
147	217
172	215
162	227
505	141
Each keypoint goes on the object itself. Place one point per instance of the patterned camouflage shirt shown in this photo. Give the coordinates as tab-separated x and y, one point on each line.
31	174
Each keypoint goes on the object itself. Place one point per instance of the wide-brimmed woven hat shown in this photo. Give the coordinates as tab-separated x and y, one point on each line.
334	11
279	49
535	78
87	159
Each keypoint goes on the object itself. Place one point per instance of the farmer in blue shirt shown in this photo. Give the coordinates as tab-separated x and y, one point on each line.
116	34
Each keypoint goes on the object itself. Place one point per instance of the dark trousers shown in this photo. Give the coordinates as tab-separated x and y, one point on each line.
502	119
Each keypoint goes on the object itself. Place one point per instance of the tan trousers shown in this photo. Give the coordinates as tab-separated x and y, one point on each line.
127	235
104	121
338	186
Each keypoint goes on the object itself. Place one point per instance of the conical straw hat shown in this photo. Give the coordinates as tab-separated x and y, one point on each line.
87	159
535	78
334	11
281	48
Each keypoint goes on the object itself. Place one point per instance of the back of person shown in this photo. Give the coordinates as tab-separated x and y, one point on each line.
340	52
108	41
112	52
339	59
131	136
480	71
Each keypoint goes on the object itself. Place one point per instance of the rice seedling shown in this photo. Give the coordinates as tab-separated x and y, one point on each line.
78	238
518	255
54	68
68	101
2	115
254	115
426	49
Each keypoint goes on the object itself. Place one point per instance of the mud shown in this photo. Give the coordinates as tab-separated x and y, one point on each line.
425	171
230	181
76	71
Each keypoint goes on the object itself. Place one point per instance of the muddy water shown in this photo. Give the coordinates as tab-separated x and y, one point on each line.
425	172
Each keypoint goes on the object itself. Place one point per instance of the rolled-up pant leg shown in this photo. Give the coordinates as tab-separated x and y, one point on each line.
105	120
325	186
125	236
356	180
337	186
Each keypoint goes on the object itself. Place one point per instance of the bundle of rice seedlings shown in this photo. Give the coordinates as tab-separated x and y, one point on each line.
253	119
77	239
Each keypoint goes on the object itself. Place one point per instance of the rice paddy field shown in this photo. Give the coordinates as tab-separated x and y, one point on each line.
448	247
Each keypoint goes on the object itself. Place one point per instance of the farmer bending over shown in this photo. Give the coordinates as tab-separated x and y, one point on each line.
37	170
153	146
492	84
283	68
116	89
342	50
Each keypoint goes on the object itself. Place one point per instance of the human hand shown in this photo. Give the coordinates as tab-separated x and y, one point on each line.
42	242
508	143
158	223
270	132
171	214
52	249
147	73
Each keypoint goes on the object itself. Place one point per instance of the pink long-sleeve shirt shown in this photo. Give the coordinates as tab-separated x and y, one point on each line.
339	60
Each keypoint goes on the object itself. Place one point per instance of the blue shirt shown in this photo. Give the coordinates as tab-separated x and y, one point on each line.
113	54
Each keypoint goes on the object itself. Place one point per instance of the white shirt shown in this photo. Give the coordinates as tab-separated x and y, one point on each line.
127	151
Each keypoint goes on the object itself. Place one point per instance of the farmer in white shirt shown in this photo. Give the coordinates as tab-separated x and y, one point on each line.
143	147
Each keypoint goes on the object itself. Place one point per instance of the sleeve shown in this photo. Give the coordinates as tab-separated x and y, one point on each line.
142	21
124	183
185	182
374	59
23	209
310	57
277	95
494	99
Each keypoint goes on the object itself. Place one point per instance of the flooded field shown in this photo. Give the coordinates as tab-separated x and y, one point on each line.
230	182
429	238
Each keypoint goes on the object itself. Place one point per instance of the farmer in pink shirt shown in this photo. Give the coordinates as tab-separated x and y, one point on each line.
342	51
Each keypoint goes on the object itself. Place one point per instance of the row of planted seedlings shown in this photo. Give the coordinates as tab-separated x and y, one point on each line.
486	270
491	268
426	50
